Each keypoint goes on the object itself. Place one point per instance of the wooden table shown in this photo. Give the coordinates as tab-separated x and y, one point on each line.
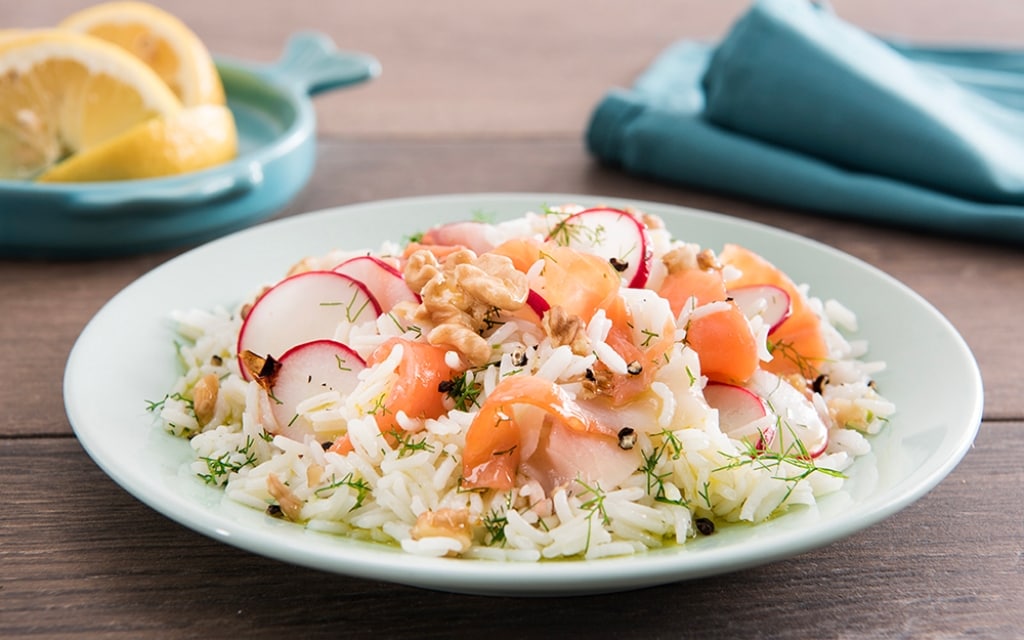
494	97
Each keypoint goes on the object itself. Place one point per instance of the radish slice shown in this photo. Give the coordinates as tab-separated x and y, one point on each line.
302	308
800	428
473	235
307	370
766	300
613	234
537	302
741	413
384	282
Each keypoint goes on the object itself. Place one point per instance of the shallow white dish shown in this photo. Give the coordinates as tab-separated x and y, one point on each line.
125	356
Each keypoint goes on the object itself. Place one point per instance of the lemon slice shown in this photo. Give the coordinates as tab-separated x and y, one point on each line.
160	40
62	92
192	139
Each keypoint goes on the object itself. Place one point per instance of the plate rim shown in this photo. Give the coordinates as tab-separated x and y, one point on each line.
544	578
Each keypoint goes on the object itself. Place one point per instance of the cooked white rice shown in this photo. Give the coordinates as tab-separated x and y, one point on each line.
690	470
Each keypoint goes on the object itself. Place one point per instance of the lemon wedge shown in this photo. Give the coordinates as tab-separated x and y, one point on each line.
63	92
192	139
160	40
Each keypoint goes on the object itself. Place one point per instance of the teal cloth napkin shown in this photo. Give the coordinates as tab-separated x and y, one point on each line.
798	108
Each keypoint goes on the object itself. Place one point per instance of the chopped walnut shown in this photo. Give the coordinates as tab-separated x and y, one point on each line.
302	266
689	256
652	221
707	260
463	297
243	312
597	382
291	504
566	329
263	370
204	398
314	474
447	523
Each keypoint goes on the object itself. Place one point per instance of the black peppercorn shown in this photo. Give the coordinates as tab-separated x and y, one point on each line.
705	526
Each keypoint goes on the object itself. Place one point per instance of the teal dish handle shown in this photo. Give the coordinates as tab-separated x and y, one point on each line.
170	196
311	64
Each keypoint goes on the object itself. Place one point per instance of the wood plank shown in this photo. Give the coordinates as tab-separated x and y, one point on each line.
79	557
456	68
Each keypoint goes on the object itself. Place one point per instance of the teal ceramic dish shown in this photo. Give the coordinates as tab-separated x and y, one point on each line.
277	149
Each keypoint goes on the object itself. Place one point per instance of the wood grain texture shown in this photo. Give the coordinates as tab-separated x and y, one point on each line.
532	67
79	557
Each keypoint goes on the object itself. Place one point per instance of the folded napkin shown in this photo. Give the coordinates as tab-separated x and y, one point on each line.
798	108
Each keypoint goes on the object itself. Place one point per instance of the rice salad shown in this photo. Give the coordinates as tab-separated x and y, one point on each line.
572	383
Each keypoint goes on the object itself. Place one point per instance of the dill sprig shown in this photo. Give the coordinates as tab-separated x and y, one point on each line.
153	406
786	350
487	217
564	233
673	447
649	336
494	523
463	389
228	462
361	487
409	329
594	506
791	465
407	445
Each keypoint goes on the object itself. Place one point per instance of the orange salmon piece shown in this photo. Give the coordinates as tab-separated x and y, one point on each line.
797	345
727	349
704	285
493	442
580	283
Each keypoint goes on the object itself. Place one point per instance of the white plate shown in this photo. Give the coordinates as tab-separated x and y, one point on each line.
125	356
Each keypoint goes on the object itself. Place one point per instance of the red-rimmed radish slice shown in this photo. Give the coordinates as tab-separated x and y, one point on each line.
302	308
308	370
741	413
537	302
615	235
766	300
473	235
800	430
384	282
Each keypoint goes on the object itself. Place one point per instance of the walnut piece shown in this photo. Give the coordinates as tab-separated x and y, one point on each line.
291	504
689	256
707	260
447	523
566	329
463	297
204	398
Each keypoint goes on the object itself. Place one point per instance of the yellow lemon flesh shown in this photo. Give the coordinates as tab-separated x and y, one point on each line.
160	40
63	92
194	138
